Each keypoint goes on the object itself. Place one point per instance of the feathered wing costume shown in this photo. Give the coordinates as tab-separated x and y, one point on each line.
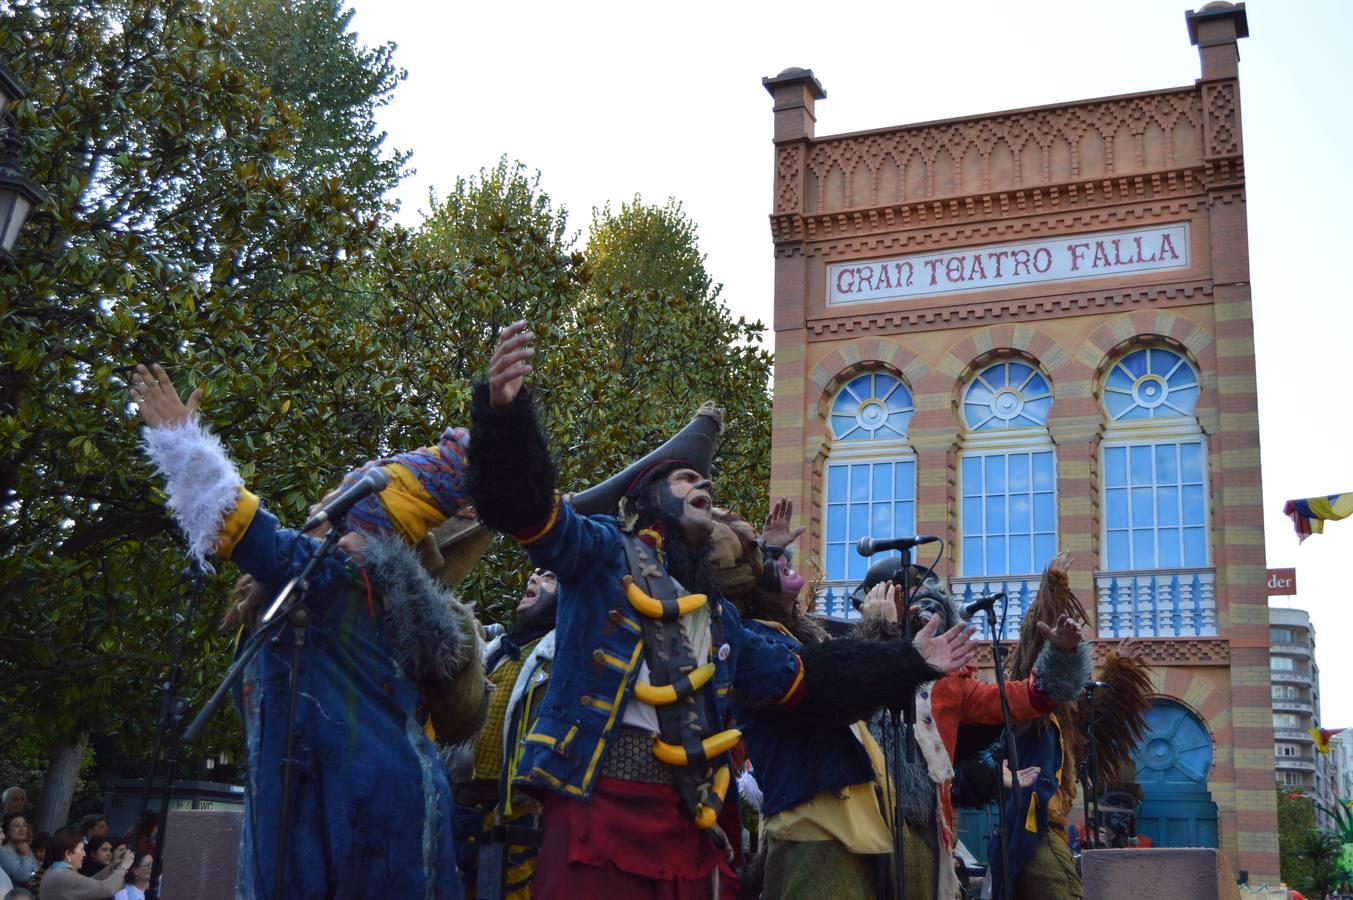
1040	856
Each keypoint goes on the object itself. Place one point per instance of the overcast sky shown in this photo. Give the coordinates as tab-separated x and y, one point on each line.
612	99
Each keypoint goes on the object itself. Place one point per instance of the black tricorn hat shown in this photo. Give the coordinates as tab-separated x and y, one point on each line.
692	446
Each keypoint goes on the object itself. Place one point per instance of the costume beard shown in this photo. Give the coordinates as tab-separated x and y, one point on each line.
688	565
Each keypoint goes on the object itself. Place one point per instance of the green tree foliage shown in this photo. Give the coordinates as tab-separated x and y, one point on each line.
1296	819
632	336
189	221
217	184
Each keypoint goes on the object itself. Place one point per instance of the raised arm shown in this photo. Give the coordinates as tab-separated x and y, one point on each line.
206	494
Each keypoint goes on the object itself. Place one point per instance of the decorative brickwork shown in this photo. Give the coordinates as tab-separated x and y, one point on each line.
1030	148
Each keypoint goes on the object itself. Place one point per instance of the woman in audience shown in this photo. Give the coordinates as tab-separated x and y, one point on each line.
62	879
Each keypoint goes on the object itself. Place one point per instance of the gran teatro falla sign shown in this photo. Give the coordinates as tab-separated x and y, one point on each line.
1099	255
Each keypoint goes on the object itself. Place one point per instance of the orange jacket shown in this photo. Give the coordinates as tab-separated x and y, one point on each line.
958	698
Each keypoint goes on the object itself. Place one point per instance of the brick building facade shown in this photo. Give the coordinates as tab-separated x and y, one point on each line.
1031	331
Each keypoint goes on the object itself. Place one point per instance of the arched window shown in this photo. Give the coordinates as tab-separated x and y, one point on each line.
1007	473
873	406
1155	552
1148	384
870	479
1007	395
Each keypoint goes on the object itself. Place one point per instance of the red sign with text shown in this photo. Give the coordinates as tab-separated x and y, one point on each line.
1282	582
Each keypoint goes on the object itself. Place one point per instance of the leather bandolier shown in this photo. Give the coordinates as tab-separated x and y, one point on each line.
690	739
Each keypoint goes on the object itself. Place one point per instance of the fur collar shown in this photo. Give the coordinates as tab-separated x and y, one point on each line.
432	632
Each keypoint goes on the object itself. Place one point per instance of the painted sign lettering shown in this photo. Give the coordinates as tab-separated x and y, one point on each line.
1006	265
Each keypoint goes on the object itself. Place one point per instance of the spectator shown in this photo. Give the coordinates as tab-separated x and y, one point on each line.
148	827
140	880
16	856
98	855
40	847
93	825
63	881
14	799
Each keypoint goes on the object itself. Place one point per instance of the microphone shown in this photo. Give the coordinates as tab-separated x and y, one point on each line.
869	546
373	481
1092	686
493	630
983	604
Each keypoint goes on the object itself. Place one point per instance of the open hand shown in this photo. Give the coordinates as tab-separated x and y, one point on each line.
509	366
158	400
778	530
881	602
1066	636
948	651
1026	776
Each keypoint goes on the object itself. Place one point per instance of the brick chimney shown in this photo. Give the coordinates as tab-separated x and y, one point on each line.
1214	30
795	91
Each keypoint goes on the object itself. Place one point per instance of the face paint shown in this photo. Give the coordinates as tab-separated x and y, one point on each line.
685	496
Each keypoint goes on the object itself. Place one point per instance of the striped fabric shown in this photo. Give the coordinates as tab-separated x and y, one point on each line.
427	487
1310	515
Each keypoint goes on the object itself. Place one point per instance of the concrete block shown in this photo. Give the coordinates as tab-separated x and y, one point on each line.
200	849
1158	873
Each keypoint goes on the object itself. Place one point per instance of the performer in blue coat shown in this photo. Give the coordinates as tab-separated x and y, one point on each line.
386	650
630	745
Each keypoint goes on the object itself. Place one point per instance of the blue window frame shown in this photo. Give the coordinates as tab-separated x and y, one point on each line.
1008	519
872	406
1155	505
866	498
1005	395
1150	384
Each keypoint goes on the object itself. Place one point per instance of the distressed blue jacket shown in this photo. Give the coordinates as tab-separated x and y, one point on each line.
794	759
599	650
371	802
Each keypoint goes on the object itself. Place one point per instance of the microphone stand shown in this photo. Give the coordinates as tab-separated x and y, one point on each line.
288	606
903	722
172	710
1088	769
1011	753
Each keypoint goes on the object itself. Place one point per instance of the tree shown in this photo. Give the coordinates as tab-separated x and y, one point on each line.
653	316
199	216
1296	819
633	336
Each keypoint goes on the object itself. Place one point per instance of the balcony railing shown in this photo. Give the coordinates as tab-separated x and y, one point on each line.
1289	677
1292	705
1020	593
1294	763
1287	733
1290	650
1157	603
833	599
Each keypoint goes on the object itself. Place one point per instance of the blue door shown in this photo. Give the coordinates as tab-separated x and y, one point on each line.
1173	761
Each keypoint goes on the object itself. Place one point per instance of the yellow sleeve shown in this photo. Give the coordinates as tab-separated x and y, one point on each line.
237	523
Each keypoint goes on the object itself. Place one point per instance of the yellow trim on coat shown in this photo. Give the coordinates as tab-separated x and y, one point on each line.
547	527
237	523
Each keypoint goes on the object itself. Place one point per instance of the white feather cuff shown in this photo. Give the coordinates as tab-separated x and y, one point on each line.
202	483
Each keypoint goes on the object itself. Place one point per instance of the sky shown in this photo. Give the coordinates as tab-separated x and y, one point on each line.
610	100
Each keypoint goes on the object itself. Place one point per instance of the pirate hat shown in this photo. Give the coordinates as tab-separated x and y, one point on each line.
691	447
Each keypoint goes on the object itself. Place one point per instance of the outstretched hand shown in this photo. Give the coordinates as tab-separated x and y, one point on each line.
158	400
778	530
948	651
1066	636
509	366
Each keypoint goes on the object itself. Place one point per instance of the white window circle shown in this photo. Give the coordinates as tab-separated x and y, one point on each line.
1007	394
1150	383
875	405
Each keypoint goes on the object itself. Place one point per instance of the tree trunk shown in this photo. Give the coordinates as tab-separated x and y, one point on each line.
58	788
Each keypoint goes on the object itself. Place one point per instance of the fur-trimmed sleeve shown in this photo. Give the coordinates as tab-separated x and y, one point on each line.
1061	674
202	483
847	679
512	477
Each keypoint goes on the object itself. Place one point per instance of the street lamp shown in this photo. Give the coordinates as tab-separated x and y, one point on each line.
18	195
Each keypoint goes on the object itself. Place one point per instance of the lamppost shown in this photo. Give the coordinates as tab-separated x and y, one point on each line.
18	195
